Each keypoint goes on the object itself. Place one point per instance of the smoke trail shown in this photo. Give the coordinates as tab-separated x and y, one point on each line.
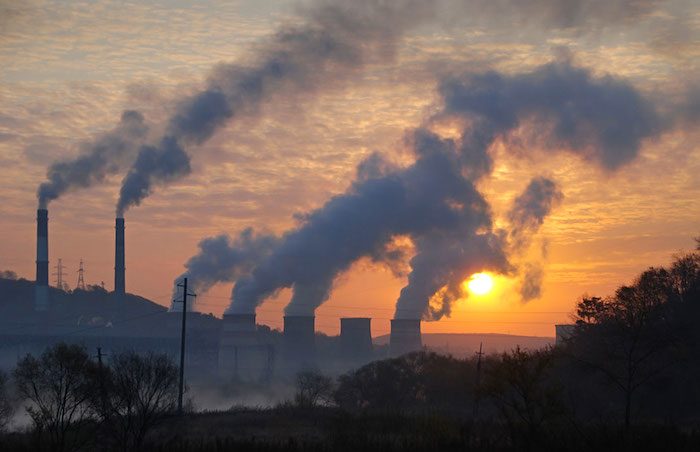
335	42
531	208
360	223
225	259
604	120
527	214
531	282
434	200
106	155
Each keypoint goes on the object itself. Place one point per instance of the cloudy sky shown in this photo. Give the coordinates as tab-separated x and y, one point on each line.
69	69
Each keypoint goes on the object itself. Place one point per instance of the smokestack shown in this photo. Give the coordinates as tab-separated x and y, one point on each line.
356	339
119	270
41	287
405	337
299	342
241	352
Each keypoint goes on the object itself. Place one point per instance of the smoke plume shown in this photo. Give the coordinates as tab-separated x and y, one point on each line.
225	259
530	209
527	214
602	119
434	200
335	42
106	155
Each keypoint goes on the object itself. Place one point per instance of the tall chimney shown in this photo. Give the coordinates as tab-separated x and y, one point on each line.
405	336
299	342
119	270
356	339
241	352
41	287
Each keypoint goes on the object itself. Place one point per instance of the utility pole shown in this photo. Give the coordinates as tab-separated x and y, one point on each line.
478	381
103	395
182	344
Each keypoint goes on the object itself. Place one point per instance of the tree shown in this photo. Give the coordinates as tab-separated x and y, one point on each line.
7	408
520	386
139	391
312	388
58	384
416	380
626	337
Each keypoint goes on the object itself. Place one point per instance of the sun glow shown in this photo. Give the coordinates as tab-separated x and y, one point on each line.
480	283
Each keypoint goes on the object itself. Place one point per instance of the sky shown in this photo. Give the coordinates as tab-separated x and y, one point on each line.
69	69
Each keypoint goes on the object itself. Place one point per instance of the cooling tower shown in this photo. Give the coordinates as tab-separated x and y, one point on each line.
241	352
119	270
41	287
299	342
405	336
356	339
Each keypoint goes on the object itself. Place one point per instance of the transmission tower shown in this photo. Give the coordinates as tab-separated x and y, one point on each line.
60	283
81	277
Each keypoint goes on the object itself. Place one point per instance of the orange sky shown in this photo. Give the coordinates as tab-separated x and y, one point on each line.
67	72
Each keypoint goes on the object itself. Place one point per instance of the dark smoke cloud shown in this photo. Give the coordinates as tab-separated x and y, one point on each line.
527	214
336	41
567	15
530	209
602	119
225	259
427	197
107	155
434	200
531	282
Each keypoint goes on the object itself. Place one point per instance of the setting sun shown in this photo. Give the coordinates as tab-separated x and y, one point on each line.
480	283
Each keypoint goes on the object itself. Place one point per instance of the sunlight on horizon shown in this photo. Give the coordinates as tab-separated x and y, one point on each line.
479	283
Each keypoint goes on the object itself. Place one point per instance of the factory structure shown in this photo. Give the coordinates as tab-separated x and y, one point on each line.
232	347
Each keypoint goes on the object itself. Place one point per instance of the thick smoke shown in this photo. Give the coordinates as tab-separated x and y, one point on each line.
531	282
434	200
107	155
604	120
530	209
360	223
527	214
225	259
336	41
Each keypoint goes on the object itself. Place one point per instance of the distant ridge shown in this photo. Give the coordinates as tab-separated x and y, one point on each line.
466	344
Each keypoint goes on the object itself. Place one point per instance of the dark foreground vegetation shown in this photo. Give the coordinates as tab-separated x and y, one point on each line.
627	378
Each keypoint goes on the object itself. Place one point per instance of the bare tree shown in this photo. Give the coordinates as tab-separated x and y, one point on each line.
626	337
139	391
7	408
58	385
523	391
313	388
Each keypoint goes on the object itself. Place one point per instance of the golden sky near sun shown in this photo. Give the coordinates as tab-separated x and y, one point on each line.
68	70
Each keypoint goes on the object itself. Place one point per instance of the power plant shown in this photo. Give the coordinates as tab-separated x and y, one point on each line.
356	339
41	287
119	268
405	336
233	347
242	353
299	342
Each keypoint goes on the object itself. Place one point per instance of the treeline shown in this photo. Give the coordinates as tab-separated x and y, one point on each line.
627	378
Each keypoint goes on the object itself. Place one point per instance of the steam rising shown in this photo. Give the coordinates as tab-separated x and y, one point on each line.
107	155
434	200
335	42
530	209
223	259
